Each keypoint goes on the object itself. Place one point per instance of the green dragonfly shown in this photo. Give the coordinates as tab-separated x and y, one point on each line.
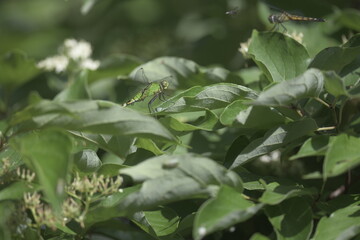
155	89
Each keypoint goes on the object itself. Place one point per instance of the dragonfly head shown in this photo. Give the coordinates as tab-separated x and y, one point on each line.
164	84
272	18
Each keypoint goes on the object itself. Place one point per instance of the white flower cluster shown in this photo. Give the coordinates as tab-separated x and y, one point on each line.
72	51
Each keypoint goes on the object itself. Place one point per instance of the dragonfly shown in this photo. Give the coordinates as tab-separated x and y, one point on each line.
154	89
279	18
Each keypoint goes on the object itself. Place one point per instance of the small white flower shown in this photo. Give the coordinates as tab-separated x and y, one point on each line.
89	64
57	63
77	49
244	48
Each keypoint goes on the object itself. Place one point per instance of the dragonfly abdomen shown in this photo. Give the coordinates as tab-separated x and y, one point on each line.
308	19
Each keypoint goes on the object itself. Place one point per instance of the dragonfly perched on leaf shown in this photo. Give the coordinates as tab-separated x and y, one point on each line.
282	16
154	89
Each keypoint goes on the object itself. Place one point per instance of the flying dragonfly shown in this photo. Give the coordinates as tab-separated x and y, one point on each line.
155	89
281	17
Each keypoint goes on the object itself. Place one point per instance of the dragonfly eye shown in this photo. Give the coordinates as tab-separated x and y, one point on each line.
271	18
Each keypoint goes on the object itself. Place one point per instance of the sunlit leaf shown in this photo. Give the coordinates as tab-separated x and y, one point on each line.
280	57
225	210
273	139
309	84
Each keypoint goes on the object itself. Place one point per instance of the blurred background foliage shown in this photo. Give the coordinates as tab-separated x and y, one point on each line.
198	30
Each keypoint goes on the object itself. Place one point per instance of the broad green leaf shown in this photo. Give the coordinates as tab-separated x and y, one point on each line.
109	207
277	192
211	97
110	165
149	145
185	73
291	219
278	56
16	68
207	123
337	58
275	138
251	117
315	146
77	89
15	191
227	209
342	224
87	161
162	222
309	84
49	154
334	84
180	177
350	18
343	154
90	116
118	145
340	202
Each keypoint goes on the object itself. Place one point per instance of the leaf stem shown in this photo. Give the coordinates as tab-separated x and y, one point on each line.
323	102
326	128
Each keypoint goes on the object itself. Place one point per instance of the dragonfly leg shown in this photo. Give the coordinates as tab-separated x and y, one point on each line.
274	28
284	28
151	101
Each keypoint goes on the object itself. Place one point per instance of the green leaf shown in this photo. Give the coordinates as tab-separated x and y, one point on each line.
207	123
315	146
251	117
48	153
180	177
337	58
342	155
342	224
163	221
185	73
87	161
275	138
210	97
77	88
309	84
278	56
90	116
15	191
227	209
118	145
277	192
149	145
109	207
334	84
291	219
16	69
350	18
